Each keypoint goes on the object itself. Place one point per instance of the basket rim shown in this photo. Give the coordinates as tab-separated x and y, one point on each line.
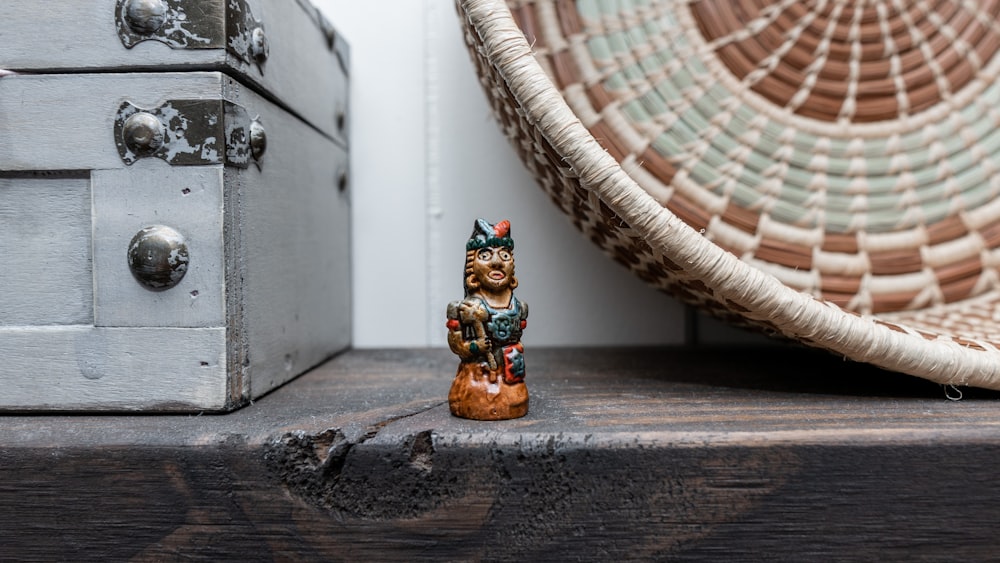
862	338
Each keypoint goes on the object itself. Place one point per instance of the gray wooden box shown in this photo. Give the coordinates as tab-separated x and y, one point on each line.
229	131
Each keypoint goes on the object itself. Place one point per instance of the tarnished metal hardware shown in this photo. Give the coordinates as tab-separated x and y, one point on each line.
341	117
194	24
145	16
245	36
158	257
186	132
258	140
342	179
143	133
184	24
259	47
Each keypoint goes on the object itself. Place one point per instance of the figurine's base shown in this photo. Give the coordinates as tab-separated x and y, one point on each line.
481	394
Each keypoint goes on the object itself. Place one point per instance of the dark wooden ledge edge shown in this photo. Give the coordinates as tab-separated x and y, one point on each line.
626	455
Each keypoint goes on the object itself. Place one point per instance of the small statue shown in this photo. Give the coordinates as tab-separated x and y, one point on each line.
484	330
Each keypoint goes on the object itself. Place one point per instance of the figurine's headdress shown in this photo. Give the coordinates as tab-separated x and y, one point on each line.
484	234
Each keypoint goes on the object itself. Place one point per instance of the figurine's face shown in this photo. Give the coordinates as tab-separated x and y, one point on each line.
493	268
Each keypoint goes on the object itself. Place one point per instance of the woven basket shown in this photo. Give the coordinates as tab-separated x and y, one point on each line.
826	171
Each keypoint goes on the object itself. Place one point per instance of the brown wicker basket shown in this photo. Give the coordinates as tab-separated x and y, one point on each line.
825	171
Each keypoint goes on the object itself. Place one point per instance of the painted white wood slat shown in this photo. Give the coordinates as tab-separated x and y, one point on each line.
66	122
294	258
112	368
80	35
152	192
45	251
303	68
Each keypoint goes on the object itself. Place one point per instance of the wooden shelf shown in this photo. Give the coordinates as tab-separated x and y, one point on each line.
713	453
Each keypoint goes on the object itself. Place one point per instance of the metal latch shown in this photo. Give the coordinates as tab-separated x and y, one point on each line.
190	132
194	24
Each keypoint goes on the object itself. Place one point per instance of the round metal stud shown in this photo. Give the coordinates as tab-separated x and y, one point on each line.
258	140
143	133
342	179
259	46
341	117
145	16
158	257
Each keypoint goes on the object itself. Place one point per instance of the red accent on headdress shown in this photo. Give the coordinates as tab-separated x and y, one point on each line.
502	228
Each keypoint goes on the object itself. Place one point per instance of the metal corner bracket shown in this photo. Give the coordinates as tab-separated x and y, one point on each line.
194	24
189	132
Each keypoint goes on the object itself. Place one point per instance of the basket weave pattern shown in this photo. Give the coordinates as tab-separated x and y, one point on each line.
770	165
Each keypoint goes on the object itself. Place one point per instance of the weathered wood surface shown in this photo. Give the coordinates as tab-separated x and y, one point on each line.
46	251
41	114
293	260
100	368
152	192
306	68
719	454
269	253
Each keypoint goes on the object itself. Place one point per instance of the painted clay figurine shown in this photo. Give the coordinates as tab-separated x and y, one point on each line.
484	330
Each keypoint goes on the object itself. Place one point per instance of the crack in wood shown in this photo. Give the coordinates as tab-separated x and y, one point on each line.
311	465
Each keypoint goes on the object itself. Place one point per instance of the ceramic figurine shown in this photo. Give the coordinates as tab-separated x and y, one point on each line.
484	330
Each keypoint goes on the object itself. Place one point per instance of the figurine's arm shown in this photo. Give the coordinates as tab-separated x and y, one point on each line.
523	316
454	328
466	312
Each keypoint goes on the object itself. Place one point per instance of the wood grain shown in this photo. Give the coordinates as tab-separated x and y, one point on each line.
668	454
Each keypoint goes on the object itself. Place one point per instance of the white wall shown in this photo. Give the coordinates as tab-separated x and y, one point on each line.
427	160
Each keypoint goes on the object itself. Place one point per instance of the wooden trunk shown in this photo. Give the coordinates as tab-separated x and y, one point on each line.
266	293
